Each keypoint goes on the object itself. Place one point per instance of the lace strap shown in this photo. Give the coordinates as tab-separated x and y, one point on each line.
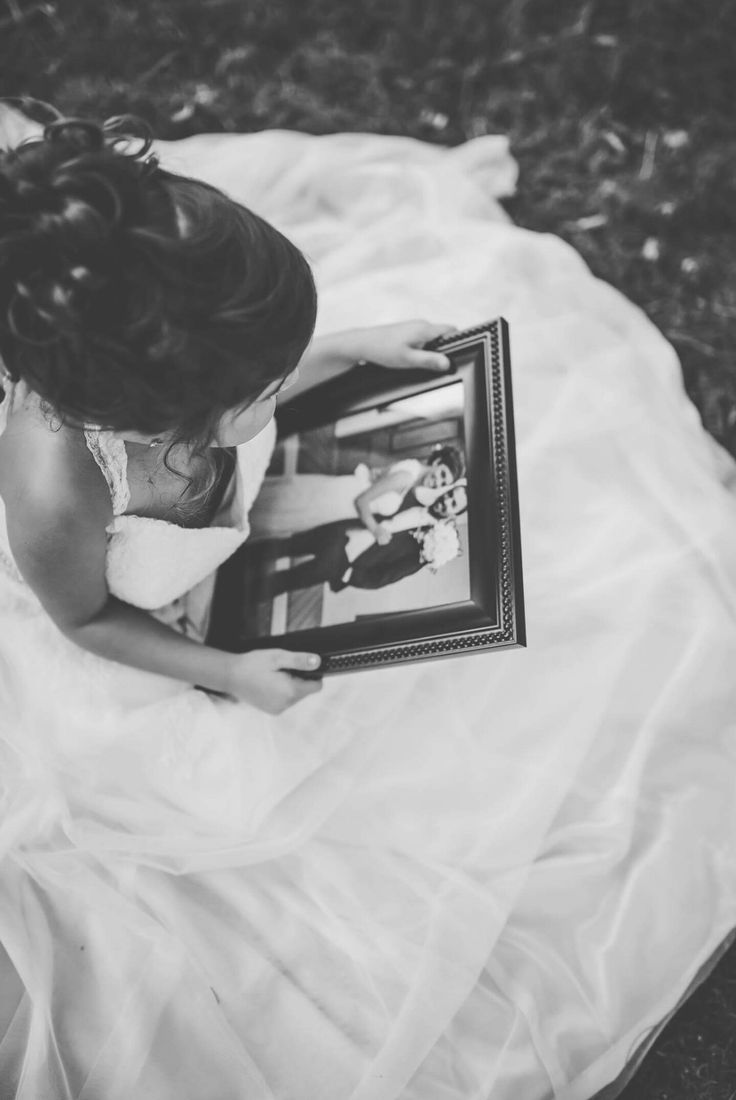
5	403
110	455
8	393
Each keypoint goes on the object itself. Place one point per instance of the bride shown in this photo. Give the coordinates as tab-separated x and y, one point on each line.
492	876
289	504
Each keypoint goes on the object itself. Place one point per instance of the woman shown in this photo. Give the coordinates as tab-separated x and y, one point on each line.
494	875
289	504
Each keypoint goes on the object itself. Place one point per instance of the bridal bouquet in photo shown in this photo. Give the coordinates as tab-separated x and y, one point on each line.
438	545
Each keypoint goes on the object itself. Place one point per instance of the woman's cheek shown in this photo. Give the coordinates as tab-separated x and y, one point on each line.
247	424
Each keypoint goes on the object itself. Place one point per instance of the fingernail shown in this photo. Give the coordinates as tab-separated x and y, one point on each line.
313	662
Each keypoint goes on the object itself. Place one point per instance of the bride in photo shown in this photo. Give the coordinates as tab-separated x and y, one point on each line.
491	877
343	553
287	505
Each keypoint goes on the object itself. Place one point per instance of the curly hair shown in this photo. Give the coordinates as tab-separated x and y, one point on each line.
449	455
136	299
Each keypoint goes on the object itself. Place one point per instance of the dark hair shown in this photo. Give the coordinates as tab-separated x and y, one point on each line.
432	508
133	298
449	456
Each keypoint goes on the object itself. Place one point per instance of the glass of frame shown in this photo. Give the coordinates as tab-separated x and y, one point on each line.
387	528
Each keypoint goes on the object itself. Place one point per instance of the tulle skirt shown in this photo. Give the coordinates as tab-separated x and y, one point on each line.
491	876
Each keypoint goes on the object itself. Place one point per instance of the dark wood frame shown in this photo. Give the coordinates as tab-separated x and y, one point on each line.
493	618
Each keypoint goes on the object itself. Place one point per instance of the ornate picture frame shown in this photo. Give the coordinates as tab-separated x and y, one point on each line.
490	611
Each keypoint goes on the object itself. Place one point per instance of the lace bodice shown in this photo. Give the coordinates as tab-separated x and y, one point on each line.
152	562
111	456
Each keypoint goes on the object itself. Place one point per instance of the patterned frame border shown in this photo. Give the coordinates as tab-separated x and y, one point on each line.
511	633
493	616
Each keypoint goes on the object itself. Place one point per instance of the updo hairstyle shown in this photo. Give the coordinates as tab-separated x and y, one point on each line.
135	299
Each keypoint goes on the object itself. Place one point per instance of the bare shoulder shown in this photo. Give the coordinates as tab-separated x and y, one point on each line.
57	508
46	467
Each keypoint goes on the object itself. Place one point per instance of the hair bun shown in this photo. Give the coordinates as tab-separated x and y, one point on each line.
80	133
64	196
135	297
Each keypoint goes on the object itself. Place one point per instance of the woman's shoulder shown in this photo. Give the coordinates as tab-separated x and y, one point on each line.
45	466
410	466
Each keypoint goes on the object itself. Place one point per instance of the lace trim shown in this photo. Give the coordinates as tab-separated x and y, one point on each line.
7	387
110	455
107	450
8	566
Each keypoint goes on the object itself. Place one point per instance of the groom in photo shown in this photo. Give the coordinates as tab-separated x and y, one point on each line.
344	553
330	545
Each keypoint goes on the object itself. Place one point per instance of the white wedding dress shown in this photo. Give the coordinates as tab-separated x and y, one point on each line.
485	878
292	503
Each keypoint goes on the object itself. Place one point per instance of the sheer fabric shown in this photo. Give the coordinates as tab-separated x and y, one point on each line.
486	877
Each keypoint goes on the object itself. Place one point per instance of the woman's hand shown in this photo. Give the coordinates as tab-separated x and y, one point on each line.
265	678
401	345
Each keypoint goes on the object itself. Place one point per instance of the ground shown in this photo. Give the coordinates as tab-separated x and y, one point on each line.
620	113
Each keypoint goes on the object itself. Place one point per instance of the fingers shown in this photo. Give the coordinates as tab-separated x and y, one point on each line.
296	662
297	687
301	688
427	360
285	694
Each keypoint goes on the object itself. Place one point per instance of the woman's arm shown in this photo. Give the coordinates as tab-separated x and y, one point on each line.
56	530
400	481
399	345
409	519
133	637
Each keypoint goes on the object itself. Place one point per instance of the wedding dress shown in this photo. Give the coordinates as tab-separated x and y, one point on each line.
484	878
288	504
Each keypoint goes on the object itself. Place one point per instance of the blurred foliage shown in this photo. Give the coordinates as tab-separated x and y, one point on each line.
620	112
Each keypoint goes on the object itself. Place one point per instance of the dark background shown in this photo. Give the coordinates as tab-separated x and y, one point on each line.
620	113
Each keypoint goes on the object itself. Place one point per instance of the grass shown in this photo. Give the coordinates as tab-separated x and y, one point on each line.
620	112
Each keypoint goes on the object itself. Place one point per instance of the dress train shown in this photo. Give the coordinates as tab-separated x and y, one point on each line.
485	877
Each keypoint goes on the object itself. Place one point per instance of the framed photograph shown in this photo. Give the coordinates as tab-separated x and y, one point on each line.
387	527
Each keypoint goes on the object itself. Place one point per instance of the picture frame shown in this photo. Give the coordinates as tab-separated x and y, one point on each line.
272	593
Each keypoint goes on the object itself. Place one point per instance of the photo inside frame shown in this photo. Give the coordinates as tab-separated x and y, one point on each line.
311	561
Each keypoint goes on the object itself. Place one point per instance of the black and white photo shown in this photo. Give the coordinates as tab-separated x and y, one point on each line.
396	520
367	550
